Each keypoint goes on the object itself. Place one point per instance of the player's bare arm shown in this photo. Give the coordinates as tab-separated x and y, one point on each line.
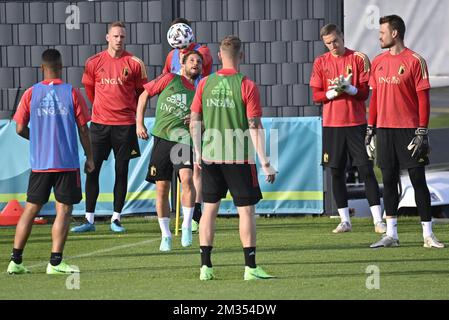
23	131
258	138
195	127
83	132
141	130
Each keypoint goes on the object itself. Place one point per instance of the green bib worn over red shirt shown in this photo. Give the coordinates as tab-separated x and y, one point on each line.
227	136
173	105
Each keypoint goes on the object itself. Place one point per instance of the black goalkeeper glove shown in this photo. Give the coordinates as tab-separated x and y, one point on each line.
370	142
419	144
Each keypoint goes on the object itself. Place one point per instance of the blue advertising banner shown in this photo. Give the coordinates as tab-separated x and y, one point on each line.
293	144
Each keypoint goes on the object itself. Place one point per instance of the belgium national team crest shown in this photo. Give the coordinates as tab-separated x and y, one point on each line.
401	69
348	69
153	171
125	72
325	158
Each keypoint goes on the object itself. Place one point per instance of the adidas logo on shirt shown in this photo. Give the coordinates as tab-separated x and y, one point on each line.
50	105
176	104
223	88
178	99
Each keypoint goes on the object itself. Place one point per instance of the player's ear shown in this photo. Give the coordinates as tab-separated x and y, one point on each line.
219	55
107	37
394	33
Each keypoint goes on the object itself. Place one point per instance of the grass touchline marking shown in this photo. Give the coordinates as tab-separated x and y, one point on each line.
125	246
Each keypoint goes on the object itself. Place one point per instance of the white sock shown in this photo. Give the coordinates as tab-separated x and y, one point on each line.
187	214
344	214
115	216
426	228
392	227
164	224
376	211
90	216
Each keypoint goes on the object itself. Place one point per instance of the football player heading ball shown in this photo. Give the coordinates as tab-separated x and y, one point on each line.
181	38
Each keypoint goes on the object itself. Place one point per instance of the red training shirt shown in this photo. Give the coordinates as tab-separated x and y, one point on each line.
396	80
117	83
345	110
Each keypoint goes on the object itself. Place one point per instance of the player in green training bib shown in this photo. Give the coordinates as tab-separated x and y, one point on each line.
228	104
172	143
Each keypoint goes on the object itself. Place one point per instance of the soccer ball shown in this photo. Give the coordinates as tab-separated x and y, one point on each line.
180	36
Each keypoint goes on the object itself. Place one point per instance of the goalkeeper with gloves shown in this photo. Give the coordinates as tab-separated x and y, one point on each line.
400	108
340	81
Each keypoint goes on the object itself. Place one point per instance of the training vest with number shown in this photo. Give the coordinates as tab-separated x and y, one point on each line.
175	66
53	128
226	138
173	105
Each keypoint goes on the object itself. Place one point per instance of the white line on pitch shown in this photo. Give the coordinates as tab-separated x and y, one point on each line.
125	246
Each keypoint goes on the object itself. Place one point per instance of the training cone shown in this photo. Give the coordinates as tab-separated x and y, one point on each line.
11	213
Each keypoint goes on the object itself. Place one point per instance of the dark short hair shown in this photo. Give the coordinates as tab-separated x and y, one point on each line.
180	20
396	23
116	24
328	29
190	52
52	58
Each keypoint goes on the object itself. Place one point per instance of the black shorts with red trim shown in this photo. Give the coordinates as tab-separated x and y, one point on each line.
392	151
240	179
122	139
339	142
167	156
66	185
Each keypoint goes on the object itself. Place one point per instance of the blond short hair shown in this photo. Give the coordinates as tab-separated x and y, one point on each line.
231	45
116	24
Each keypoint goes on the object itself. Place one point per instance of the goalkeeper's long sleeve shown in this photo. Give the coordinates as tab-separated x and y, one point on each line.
372	119
424	108
363	92
319	95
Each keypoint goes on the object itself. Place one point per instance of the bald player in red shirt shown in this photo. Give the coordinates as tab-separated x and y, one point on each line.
400	110
344	121
113	79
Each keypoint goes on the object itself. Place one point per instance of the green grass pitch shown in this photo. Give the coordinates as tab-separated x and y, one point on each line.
310	262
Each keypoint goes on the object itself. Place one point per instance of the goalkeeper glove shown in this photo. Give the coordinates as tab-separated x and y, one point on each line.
419	144
346	85
334	89
370	142
331	94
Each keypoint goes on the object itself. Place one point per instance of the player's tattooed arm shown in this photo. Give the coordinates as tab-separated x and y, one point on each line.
254	123
257	134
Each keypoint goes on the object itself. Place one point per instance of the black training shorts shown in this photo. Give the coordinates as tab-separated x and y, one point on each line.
392	149
338	142
66	184
122	139
240	179
167	156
